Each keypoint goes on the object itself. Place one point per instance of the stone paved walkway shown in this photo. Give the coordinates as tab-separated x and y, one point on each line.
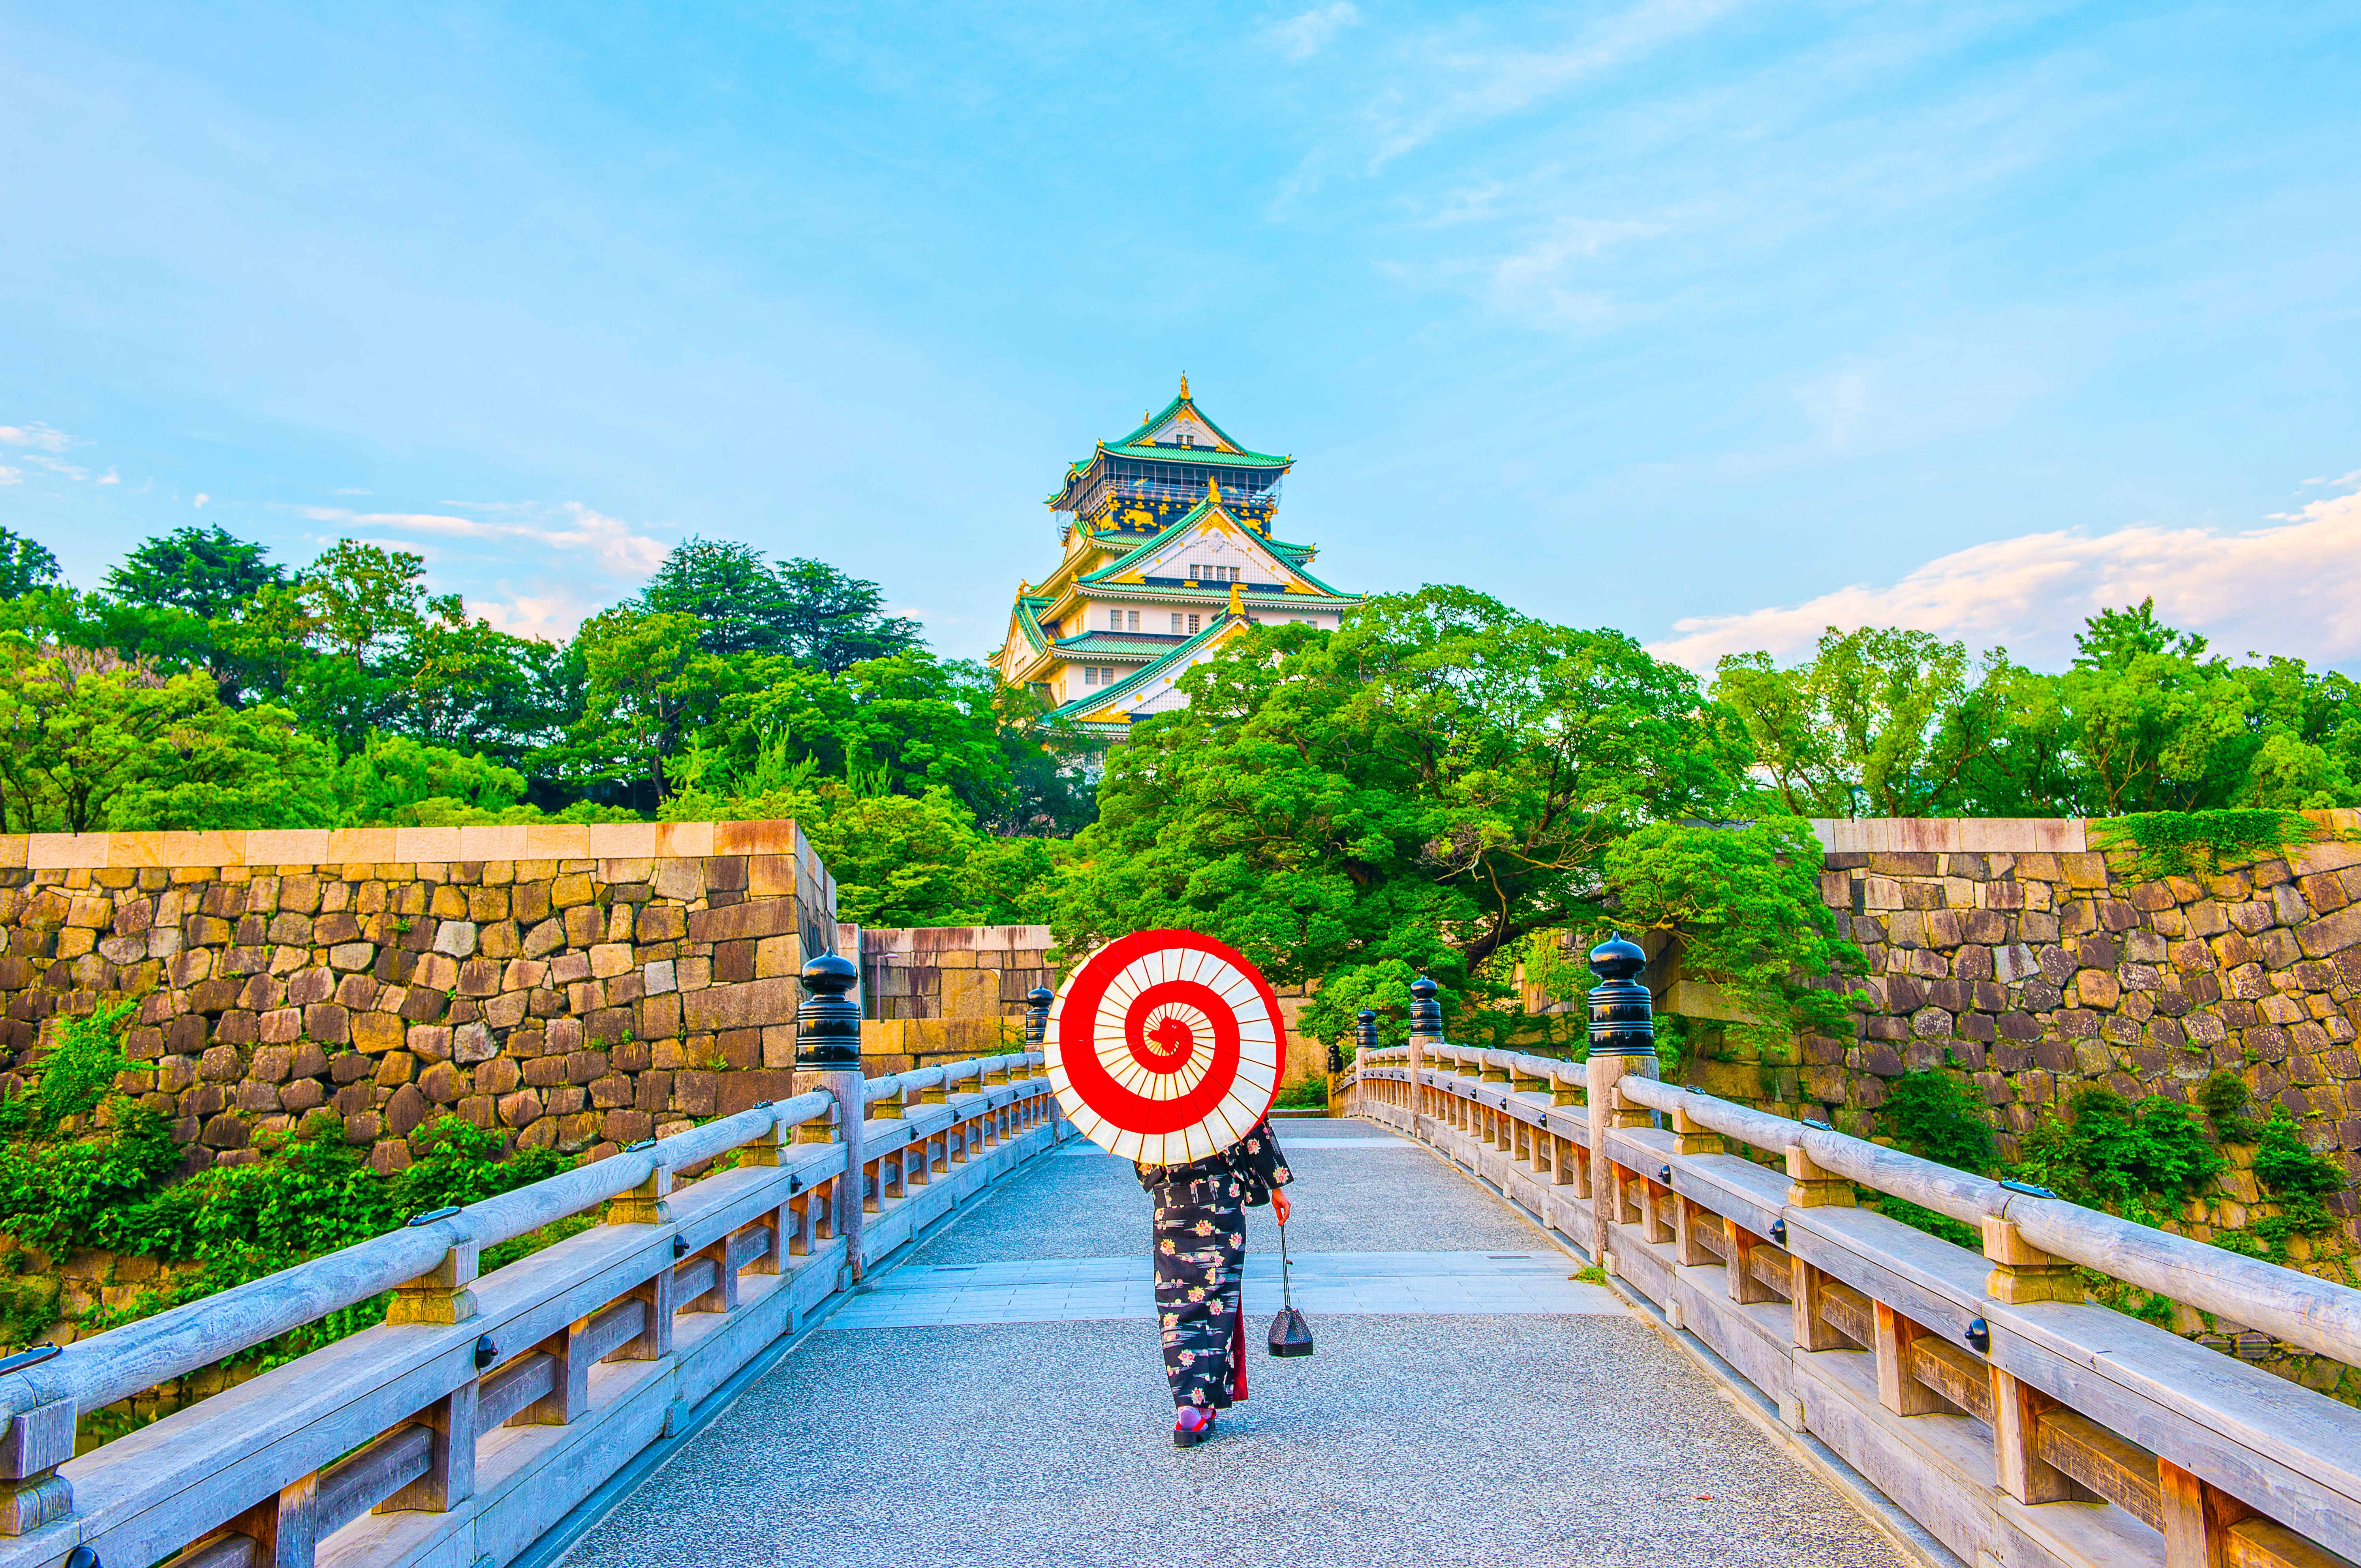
1468	1405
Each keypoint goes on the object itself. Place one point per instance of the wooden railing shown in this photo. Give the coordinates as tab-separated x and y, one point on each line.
485	1408
2013	1420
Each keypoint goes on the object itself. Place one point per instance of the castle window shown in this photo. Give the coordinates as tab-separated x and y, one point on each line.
1175	620
1193	622
1132	617
1089	675
1114	621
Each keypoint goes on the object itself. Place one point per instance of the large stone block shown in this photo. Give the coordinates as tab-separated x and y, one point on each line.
749	1005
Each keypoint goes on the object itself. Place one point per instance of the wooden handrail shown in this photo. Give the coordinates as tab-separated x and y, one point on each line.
1849	1318
478	1353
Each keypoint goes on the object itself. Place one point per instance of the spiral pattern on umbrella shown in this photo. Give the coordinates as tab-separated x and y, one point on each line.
1165	1046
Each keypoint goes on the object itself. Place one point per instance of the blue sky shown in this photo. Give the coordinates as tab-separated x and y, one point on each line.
1713	322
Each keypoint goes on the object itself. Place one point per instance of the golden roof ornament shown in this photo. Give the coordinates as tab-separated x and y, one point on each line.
1237	601
1184	386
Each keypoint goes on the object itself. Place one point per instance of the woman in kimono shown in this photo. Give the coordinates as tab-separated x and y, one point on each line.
1200	1253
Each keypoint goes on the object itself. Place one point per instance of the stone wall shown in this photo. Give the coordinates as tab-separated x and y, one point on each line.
2018	955
583	987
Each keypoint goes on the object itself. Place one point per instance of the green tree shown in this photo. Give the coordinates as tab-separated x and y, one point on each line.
1428	784
92	743
25	564
205	572
1854	732
899	859
803	610
647	680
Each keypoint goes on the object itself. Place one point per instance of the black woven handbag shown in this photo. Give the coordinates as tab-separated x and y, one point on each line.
1289	1335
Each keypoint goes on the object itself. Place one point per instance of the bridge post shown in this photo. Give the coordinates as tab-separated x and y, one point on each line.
1426	1032
827	1058
1622	1041
1037	1025
1364	1040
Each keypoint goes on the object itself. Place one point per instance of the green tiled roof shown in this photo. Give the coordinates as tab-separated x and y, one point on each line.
1140	677
1293	554
1193	454
1117	644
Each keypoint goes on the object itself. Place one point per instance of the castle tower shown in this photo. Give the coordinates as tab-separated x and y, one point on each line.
1168	553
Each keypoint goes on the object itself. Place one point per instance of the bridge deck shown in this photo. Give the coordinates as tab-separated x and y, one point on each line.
1000	1398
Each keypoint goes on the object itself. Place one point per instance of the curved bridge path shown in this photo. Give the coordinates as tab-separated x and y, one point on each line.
999	1397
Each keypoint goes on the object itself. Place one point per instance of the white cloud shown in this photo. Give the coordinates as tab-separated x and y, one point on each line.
551	617
12	475
1483	84
37	435
608	544
110	477
202	497
2293	589
1302	36
1539	283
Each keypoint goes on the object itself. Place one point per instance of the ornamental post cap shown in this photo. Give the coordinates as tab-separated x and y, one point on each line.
1618	958
1040	996
1423	988
827	1026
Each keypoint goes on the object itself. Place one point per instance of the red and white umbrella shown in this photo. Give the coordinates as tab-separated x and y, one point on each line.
1165	1046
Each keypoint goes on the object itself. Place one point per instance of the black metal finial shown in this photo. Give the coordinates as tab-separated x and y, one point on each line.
827	1026
1425	1012
1365	1039
1036	1014
1622	1014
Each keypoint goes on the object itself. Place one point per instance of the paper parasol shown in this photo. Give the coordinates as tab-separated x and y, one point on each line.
1165	1046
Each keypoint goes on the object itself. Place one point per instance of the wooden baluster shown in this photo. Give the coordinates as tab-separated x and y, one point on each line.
285	1529
441	1295
32	1493
2022	1272
2016	1441
450	1478
1898	1390
1687	1217
1690	1138
2197	1519
1807	1295
722	1296
1742	1284
568	1398
1813	1186
1659	1216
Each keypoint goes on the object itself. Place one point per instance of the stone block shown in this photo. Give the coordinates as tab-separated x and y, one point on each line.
747	1005
405	1111
442	1083
456	938
755	917
371	1032
472	1043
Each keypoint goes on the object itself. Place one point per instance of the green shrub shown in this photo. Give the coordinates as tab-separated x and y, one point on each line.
1934	1115
2131	1160
2223	1097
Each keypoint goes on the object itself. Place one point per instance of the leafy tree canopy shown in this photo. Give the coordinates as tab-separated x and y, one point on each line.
1895	723
804	610
1422	790
202	570
26	565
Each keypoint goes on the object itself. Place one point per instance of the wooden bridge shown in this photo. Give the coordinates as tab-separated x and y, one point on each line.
903	1321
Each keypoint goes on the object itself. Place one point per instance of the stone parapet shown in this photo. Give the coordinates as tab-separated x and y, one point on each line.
578	987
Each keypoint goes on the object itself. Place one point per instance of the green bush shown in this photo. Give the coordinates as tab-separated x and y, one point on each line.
110	1186
2132	1160
2223	1097
1934	1115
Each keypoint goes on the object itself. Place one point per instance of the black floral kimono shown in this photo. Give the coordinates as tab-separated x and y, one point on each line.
1200	1251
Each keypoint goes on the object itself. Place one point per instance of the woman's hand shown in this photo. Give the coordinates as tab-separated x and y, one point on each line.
1278	1203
